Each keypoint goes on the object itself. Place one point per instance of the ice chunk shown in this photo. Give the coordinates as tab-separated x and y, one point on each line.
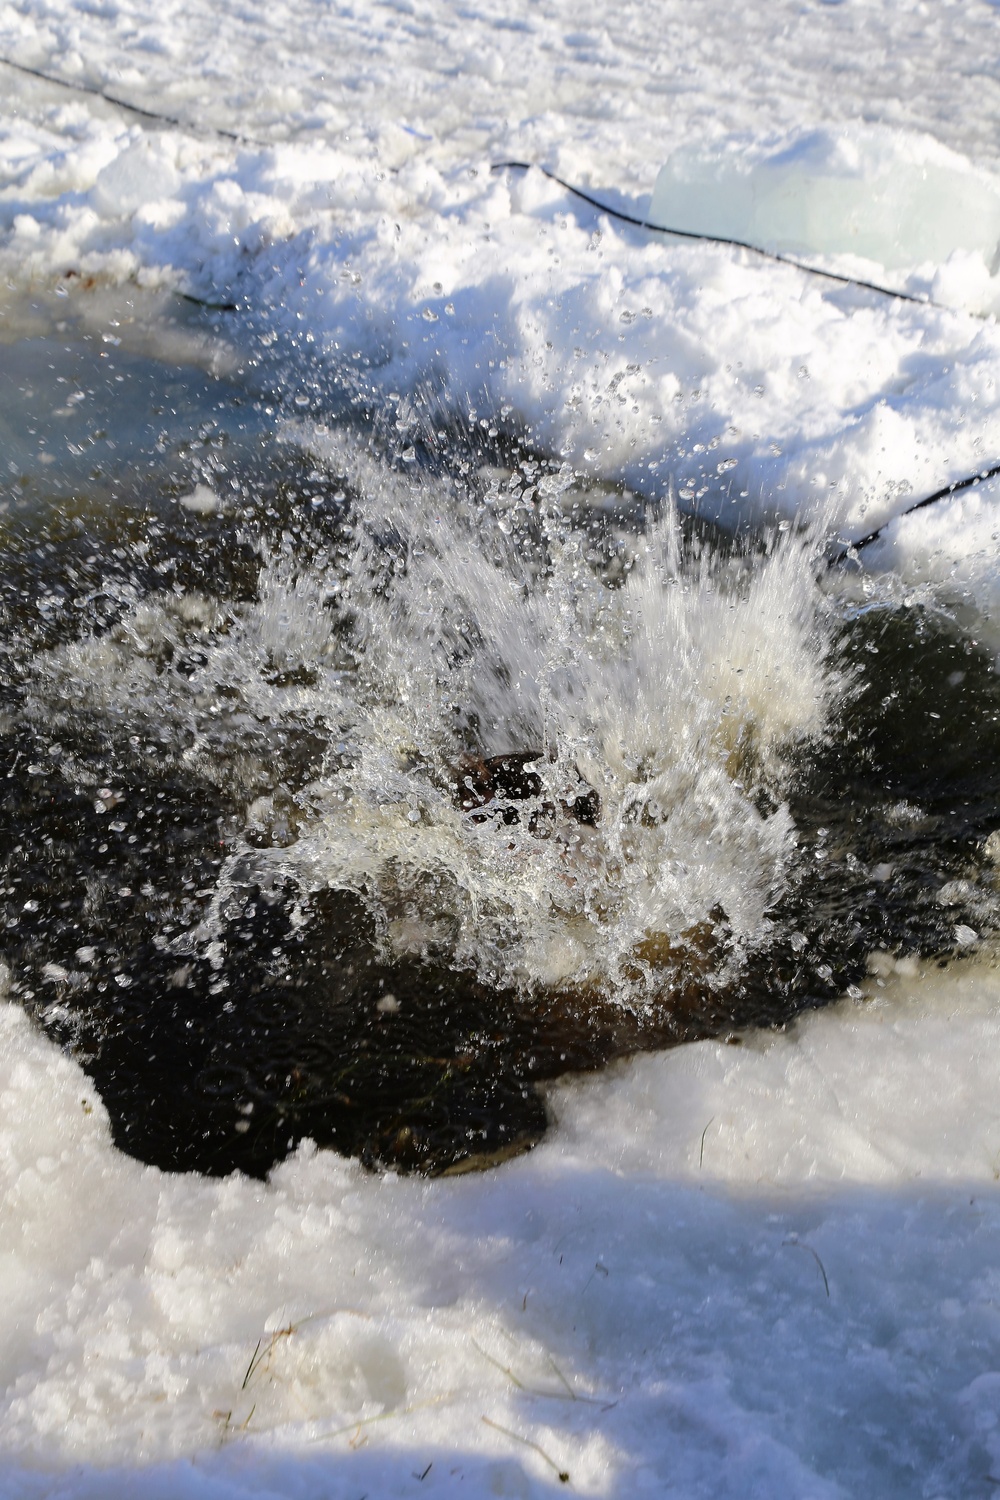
202	500
901	201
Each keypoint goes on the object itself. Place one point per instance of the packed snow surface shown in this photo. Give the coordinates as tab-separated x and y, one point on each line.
765	1269
379	242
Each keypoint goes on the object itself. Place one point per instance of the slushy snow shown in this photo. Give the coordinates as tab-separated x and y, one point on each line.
765	1269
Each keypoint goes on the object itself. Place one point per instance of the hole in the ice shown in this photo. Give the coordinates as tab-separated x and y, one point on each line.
358	804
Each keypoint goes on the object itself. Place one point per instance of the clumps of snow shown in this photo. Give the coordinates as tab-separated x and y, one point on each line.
141	175
690	1287
851	1087
760	391
202	500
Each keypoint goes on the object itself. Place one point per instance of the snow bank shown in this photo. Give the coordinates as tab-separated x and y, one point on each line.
759	392
701	1283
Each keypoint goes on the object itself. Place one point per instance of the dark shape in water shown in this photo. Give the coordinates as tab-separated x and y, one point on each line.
296	1027
491	787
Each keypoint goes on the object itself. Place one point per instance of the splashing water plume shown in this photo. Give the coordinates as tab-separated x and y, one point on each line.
552	766
667	702
379	790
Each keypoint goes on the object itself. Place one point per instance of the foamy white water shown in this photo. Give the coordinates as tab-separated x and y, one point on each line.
762	1269
462	623
675	697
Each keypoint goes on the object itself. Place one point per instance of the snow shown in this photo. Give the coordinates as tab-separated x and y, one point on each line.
755	388
730	1270
763	1269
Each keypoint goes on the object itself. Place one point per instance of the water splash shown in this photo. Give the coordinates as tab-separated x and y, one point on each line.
553	755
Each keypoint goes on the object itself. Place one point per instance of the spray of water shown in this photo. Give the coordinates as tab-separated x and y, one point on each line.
555	761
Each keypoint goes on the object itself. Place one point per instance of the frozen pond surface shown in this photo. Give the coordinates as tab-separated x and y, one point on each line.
372	585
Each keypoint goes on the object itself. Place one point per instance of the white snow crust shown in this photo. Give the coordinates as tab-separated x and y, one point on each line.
759	1270
378	237
755	1270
